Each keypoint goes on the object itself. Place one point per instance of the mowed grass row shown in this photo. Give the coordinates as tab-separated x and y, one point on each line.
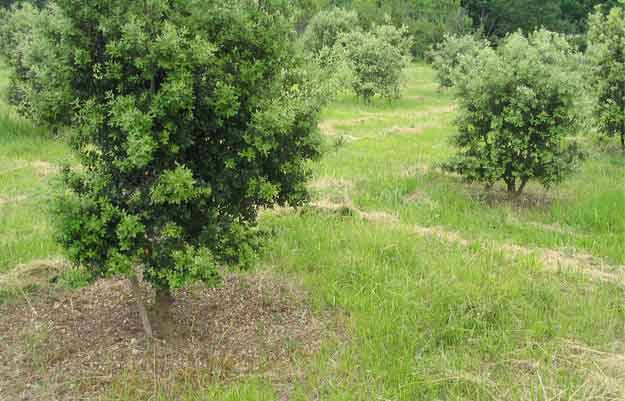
419	317
455	316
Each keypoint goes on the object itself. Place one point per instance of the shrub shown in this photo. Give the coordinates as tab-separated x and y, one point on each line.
445	56
377	60
38	85
325	28
607	56
186	121
517	108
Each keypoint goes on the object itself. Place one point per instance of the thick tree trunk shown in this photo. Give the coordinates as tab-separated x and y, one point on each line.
143	313
623	141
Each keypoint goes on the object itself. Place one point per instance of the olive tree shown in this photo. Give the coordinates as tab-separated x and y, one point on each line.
517	112
187	117
607	56
445	56
325	28
377	60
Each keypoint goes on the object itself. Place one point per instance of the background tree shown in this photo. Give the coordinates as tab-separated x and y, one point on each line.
496	18
517	108
445	56
377	60
607	55
187	117
425	20
38	84
325	28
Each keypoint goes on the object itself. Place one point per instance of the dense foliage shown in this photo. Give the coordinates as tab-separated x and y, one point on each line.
11	3
607	56
517	108
496	18
425	20
186	119
377	60
325	28
38	84
445	56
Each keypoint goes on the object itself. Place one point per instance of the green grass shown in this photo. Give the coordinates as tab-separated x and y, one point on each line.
26	161
423	318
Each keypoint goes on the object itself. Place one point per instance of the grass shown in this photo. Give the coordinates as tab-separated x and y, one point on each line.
26	161
452	314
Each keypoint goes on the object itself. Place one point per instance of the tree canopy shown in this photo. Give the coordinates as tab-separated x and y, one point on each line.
499	17
516	111
187	115
607	56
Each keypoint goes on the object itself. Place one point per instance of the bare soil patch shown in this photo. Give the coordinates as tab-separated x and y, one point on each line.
72	346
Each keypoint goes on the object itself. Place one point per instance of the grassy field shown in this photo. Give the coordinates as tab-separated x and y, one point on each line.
437	289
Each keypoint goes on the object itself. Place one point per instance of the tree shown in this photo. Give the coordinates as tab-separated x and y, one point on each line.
445	56
607	55
12	3
325	28
187	117
425	20
377	60
37	82
499	17
517	110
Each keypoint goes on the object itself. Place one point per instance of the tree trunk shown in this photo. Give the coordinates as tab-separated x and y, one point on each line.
162	313
145	320
519	191
511	185
623	141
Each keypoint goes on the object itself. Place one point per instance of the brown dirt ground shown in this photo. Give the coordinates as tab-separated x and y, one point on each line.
72	345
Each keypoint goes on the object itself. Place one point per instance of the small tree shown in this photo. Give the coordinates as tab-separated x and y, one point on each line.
186	120
607	55
377	60
445	56
517	108
38	83
325	28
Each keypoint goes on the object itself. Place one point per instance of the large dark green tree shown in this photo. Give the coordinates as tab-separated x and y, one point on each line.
187	116
499	17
